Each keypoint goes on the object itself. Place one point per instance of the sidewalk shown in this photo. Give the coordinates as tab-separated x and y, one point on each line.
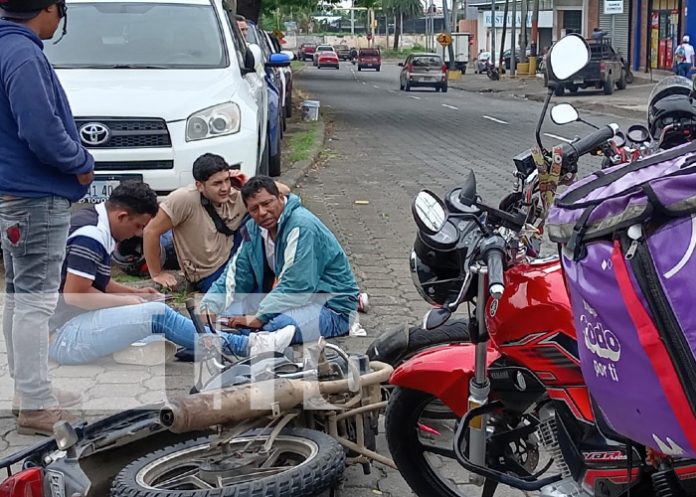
631	102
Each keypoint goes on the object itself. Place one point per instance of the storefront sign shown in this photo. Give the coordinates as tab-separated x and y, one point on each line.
613	7
545	19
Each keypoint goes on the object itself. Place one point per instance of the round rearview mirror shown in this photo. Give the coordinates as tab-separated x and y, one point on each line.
428	212
567	56
638	134
564	114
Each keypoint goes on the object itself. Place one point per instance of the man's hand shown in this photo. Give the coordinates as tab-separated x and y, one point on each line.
167	280
133	300
245	322
149	294
237	177
85	178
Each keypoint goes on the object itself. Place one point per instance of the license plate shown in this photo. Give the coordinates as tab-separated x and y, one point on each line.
577	81
99	191
427	78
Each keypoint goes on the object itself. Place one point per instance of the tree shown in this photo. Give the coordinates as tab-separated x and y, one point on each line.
254	9
400	10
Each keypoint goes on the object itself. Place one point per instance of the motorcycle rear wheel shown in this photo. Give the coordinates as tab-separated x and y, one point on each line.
301	463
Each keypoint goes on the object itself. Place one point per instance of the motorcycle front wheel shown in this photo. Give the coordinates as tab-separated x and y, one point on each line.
422	447
301	463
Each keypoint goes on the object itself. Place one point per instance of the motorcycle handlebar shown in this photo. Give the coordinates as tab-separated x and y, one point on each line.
576	149
493	250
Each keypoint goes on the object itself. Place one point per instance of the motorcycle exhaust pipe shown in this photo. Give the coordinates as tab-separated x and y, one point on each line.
230	405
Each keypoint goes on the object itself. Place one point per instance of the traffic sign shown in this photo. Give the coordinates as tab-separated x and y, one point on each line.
444	39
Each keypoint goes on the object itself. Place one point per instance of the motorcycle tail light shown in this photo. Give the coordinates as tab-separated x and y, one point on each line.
27	483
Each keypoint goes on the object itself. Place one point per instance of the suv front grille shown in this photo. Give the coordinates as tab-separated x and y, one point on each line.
134	165
123	133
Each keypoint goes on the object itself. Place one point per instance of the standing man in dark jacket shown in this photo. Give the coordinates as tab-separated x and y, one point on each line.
43	168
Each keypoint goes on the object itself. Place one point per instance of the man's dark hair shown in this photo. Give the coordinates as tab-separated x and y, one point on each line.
135	197
207	165
240	17
258	183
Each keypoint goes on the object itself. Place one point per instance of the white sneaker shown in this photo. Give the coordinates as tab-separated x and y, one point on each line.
270	341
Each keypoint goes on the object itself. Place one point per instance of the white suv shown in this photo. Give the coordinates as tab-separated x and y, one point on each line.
154	84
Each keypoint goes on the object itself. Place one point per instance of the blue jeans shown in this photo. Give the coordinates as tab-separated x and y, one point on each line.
100	333
683	69
33	233
311	321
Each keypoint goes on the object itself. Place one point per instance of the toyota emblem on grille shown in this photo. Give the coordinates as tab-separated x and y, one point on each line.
94	134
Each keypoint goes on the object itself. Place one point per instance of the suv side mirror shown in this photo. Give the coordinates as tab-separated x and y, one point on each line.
401	64
278	60
249	62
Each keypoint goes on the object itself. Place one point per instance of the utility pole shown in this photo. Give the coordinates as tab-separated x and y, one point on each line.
523	32
493	32
534	46
352	18
450	48
504	36
513	51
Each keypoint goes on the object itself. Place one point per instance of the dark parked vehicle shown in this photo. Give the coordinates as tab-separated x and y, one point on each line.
342	51
306	51
425	69
369	58
605	71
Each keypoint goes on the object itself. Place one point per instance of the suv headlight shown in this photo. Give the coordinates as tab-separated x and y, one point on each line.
219	120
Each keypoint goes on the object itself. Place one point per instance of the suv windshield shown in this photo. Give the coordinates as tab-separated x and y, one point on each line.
427	61
325	49
139	36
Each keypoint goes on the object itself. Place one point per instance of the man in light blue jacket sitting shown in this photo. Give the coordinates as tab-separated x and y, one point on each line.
289	270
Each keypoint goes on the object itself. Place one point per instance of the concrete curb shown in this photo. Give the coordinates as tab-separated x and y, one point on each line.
299	169
589	106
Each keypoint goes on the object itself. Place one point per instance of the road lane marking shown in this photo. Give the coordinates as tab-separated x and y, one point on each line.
495	119
450	106
551	135
415	97
391	91
375	86
364	83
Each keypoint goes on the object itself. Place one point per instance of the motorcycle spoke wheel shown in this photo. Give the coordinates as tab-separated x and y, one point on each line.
203	467
300	462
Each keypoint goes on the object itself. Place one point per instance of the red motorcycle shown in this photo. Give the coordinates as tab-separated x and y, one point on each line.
491	405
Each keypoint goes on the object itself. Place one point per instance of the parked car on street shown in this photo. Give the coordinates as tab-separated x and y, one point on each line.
369	58
306	51
274	89
321	48
154	85
342	51
327	58
605	71
423	69
286	73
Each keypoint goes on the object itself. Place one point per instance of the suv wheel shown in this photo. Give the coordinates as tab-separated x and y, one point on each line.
608	87
559	91
573	89
621	84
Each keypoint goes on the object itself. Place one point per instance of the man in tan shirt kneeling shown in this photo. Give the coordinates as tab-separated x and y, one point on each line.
204	218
